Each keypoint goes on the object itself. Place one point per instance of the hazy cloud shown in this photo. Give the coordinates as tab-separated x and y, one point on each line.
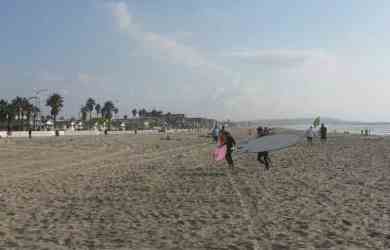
49	76
277	57
164	47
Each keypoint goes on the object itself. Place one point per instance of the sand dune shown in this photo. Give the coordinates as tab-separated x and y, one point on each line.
141	192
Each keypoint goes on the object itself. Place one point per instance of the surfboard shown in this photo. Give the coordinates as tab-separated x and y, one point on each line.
269	143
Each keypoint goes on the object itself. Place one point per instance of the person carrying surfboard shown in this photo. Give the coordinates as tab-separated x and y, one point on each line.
227	139
263	157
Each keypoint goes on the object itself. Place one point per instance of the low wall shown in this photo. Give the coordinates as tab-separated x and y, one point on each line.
81	132
24	134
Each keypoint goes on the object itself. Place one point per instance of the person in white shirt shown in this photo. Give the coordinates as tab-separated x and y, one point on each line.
309	135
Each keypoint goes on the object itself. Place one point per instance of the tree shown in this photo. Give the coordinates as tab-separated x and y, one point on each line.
108	109
116	111
134	111
56	103
28	109
84	111
98	109
3	110
18	104
142	112
90	106
7	113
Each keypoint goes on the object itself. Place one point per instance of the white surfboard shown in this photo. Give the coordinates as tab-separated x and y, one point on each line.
269	143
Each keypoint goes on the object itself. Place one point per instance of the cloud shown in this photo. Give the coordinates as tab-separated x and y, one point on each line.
50	77
122	16
171	50
165	48
229	88
85	78
278	57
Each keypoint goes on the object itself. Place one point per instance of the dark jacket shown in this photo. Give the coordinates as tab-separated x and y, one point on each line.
323	132
229	140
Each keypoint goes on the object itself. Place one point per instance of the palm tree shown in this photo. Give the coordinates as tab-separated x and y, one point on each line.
28	109
8	112
98	109
116	111
3	110
108	109
84	111
90	106
134	111
18	104
142	112
56	103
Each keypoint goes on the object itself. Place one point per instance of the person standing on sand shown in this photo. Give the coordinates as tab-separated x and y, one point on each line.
227	139
323	132
215	133
263	157
309	135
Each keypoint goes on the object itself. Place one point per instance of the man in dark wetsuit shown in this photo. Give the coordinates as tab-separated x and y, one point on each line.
230	143
323	132
263	157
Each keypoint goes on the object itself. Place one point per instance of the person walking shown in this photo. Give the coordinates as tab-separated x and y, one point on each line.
215	133
309	135
227	139
263	157
323	132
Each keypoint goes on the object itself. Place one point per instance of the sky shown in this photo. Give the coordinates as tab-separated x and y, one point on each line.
237	60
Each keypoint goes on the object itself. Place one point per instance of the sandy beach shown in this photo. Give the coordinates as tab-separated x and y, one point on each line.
143	192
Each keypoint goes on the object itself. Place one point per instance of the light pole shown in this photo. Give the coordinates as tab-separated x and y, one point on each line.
37	95
33	111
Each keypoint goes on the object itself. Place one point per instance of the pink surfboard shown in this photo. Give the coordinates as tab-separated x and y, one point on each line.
220	153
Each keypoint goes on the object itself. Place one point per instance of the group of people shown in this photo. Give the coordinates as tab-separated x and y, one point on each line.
310	134
224	137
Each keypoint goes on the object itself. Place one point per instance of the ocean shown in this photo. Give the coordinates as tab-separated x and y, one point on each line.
353	128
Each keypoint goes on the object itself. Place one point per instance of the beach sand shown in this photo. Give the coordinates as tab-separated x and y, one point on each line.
142	192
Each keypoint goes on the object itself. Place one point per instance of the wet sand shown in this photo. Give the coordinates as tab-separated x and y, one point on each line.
142	192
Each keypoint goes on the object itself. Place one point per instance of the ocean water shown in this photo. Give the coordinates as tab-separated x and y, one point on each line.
374	128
